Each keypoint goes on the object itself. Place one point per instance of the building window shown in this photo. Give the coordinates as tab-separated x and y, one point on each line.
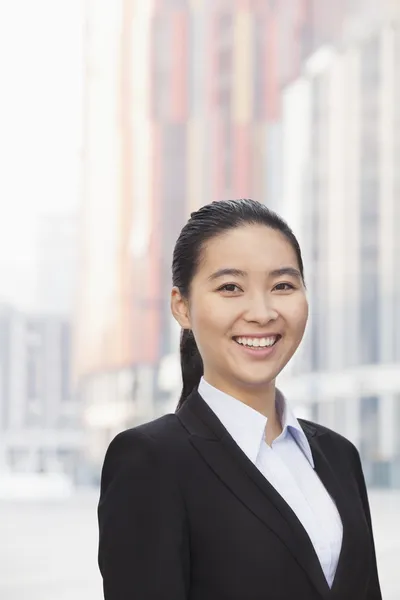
228	155
223	79
65	356
396	195
259	68
319	146
368	445
34	360
162	67
369	203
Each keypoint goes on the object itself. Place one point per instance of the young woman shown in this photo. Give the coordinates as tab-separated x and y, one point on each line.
232	497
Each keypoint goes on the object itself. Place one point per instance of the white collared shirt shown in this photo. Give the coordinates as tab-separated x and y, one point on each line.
289	467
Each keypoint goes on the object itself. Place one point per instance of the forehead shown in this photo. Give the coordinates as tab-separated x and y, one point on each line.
249	248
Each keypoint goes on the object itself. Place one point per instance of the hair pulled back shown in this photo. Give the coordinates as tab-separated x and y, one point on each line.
206	223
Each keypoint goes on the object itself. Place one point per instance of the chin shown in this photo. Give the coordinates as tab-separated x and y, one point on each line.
256	381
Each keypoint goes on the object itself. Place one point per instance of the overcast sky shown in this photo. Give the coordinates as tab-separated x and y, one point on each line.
41	68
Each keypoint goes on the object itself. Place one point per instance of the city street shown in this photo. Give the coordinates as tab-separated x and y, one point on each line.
48	551
147	146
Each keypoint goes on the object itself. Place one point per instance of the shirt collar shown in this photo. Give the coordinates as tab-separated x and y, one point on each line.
247	426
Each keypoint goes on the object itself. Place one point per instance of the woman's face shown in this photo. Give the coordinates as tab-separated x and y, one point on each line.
247	307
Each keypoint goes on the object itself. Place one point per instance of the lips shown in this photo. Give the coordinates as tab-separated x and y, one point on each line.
258	342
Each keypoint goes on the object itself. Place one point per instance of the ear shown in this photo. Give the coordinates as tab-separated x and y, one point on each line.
180	308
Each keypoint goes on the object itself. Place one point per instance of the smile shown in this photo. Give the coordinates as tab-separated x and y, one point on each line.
257	343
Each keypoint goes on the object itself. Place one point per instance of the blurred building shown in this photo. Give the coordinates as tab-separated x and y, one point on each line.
292	102
57	262
182	107
38	414
340	123
117	296
40	418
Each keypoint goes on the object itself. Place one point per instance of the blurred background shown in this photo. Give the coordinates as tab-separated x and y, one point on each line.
120	117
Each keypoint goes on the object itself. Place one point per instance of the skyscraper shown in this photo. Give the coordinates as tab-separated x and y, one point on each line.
182	108
339	179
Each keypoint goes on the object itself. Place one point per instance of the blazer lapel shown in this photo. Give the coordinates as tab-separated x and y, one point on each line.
238	473
354	563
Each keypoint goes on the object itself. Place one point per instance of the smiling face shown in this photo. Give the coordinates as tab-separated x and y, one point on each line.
247	308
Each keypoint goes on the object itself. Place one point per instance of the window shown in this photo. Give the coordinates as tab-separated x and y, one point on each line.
260	56
223	80
369	431
396	193
65	357
161	66
34	361
318	338
369	203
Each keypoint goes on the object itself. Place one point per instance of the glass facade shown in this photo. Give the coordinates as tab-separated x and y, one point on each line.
5	340
208	122
396	195
317	224
370	85
351	216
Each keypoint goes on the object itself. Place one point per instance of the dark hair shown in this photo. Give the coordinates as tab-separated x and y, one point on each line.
206	223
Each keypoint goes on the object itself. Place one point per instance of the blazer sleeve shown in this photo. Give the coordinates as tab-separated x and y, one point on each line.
374	590
143	548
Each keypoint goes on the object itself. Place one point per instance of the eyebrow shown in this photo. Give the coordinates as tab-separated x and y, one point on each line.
291	271
226	272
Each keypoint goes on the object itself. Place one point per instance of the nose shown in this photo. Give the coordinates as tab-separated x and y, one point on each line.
261	310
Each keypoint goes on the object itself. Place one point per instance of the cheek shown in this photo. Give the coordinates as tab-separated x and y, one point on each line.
205	328
210	313
203	323
210	322
297	316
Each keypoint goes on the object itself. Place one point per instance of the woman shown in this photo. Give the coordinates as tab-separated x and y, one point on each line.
231	497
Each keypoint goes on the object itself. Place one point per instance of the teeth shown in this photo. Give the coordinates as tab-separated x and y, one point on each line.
257	342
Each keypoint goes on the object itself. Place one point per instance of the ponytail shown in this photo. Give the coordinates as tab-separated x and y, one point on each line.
191	365
207	223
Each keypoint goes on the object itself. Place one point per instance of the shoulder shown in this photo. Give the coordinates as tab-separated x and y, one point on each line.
164	430
151	442
337	441
139	467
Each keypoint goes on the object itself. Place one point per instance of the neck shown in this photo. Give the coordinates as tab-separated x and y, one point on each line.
261	399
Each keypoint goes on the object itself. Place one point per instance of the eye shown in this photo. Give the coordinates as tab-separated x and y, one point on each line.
284	287
231	288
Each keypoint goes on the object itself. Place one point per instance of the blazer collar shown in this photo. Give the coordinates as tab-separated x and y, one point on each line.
201	421
224	457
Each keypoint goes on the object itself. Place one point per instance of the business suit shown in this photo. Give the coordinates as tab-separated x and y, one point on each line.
184	515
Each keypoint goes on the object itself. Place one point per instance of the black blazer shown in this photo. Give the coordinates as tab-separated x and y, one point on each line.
185	515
